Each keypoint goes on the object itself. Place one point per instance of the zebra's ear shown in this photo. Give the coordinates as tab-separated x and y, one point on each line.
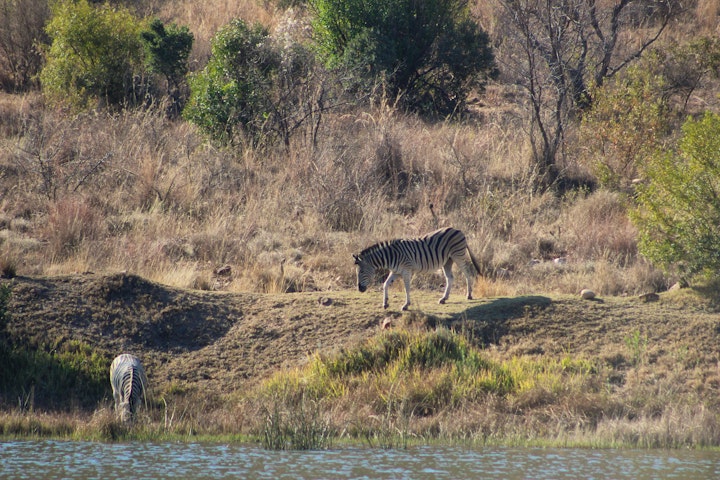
357	258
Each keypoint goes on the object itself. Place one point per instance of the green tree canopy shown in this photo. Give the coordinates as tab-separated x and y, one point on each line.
95	53
627	122
231	96
167	50
678	213
431	52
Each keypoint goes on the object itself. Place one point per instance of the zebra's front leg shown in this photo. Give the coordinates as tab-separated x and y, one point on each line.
386	285
447	269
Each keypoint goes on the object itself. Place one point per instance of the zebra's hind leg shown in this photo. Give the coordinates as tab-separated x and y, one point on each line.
470	279
447	270
406	278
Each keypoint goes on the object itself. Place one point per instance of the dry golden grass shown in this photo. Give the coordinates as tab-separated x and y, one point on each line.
137	192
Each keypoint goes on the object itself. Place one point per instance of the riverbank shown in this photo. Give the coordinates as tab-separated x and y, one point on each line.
529	370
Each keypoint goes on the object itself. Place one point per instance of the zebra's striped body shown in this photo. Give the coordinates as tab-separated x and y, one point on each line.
129	383
403	257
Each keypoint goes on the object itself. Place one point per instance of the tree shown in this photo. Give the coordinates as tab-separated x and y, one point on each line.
21	28
95	54
231	96
256	89
678	212
555	49
627	122
167	51
429	53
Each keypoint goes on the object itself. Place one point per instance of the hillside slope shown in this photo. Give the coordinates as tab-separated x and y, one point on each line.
220	343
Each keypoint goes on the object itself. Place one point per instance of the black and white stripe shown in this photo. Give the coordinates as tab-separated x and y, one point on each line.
403	257
129	385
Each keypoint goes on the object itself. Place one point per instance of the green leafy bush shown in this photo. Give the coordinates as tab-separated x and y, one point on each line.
167	51
231	97
432	53
678	213
95	54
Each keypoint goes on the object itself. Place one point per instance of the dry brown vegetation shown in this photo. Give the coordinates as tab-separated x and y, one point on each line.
137	192
102	197
134	191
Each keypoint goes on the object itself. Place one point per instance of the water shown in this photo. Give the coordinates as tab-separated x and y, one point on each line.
86	460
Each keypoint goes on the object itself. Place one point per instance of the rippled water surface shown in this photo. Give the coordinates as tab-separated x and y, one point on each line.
85	460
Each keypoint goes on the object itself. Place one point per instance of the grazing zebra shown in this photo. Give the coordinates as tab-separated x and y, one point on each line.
403	257
129	383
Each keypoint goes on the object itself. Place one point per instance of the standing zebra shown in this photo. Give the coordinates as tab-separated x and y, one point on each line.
403	257
129	384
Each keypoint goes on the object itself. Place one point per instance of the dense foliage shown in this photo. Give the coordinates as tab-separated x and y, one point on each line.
678	211
231	95
628	121
95	53
167	50
431	53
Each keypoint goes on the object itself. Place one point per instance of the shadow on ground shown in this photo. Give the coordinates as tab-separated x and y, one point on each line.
487	323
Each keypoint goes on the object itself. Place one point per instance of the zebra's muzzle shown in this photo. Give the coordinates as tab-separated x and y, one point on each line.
362	288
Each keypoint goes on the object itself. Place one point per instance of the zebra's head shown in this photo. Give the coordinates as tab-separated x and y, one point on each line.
126	411
365	272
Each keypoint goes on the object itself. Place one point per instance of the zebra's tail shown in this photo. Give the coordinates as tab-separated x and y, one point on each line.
474	261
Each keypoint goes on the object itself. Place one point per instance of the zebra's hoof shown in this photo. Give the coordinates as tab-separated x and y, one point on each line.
470	297
404	308
385	306
441	301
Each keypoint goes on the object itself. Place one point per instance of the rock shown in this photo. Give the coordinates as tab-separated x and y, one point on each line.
679	285
223	271
386	323
325	301
649	297
587	294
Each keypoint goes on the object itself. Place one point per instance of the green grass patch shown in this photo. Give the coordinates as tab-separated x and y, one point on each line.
74	376
401	375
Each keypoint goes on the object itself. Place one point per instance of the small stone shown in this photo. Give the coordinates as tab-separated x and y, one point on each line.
587	294
387	323
325	301
223	271
649	297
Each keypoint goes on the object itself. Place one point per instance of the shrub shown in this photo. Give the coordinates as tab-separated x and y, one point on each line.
95	54
21	26
678	209
628	121
167	51
231	96
431	53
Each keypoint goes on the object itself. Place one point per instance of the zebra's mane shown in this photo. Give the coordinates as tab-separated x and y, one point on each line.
378	246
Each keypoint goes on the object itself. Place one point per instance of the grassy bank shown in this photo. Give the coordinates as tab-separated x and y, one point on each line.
228	269
309	371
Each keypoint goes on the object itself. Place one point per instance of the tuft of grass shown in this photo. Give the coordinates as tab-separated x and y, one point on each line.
637	344
295	422
8	267
400	376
